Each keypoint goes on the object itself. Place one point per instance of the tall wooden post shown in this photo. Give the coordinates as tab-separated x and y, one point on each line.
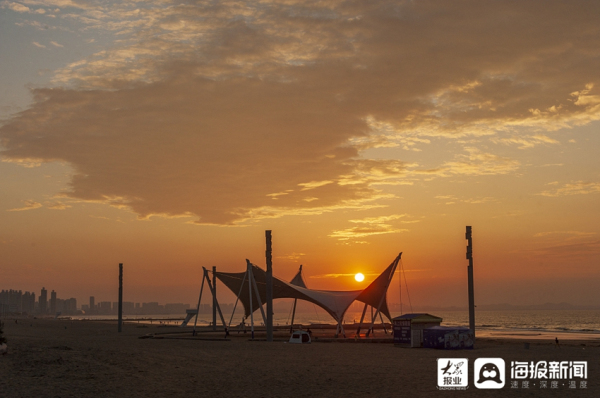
120	297
269	281
214	304
249	273
470	272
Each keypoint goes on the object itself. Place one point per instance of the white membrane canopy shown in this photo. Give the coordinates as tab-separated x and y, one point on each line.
334	302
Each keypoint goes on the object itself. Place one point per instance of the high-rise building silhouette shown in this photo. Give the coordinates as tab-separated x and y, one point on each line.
28	302
92	305
44	301
53	303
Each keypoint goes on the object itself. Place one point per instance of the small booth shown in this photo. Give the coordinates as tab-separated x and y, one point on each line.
300	337
408	328
448	338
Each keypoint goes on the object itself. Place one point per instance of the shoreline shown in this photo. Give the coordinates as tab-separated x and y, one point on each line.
481	332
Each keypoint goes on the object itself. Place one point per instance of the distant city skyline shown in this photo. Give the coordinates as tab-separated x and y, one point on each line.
9	299
19	301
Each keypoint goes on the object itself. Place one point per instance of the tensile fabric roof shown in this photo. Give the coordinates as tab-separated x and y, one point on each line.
336	303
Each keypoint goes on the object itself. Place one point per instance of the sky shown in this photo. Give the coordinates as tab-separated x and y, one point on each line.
169	135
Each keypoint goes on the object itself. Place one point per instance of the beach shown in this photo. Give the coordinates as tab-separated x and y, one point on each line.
62	358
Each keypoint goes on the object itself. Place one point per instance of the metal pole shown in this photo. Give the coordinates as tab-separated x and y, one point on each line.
199	299
362	317
383	323
269	281
238	299
471	289
249	271
120	297
214	291
293	315
260	304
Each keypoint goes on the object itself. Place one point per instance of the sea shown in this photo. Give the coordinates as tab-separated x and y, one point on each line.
576	323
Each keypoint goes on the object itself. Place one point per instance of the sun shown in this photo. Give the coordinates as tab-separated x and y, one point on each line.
359	277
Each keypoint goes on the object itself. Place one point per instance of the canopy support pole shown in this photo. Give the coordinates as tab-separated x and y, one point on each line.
216	306
198	305
370	330
361	320
293	315
262	311
342	327
238	299
383	323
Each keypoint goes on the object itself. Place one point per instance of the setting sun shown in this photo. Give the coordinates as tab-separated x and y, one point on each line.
359	277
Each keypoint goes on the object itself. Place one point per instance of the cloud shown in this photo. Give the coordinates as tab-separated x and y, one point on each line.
378	220
35	43
525	142
567	244
55	44
452	199
334	276
57	206
573	188
480	163
373	226
577	250
235	111
24	162
294	256
20	8
17	7
79	4
313	184
573	234
29	205
475	163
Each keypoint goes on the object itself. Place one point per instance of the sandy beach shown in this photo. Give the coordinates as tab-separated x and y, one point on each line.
58	358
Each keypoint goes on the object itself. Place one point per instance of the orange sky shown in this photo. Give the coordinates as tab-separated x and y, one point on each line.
170	137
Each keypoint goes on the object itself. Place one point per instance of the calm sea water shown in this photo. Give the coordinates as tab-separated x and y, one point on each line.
575	321
541	320
558	320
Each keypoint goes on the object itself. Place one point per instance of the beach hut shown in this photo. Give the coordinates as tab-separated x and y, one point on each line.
300	337
408	328
448	338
